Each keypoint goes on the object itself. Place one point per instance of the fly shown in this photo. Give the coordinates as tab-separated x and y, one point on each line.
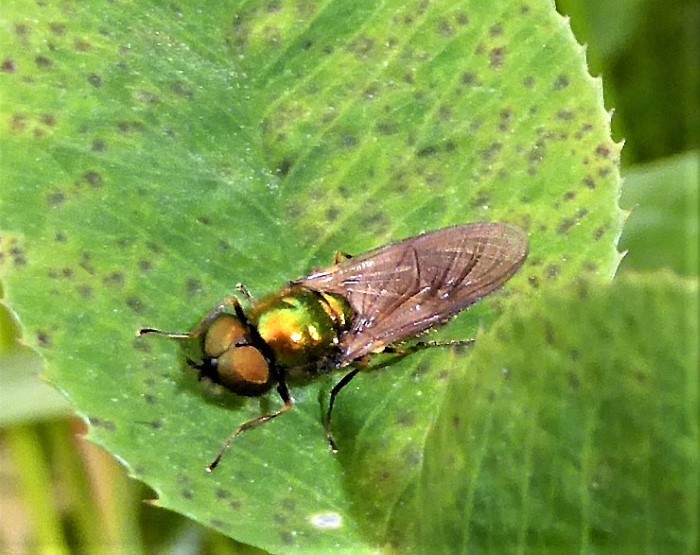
340	316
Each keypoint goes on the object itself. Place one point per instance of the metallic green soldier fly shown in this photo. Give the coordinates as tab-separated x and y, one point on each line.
360	306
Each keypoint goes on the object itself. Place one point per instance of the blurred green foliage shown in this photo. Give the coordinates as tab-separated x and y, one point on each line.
662	229
648	53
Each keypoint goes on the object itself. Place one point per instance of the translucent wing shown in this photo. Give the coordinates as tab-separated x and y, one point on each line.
399	290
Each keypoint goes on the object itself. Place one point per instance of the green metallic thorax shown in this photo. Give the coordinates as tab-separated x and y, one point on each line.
300	326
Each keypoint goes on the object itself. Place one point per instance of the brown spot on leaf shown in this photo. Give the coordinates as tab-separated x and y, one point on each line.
154	247
497	57
82	45
18	122
43	62
56	199
565	225
445	28
58	29
22	30
406	419
480	201
98	145
283	167
589	182
505	120
387	127
93	178
332	213
130	127
374	220
430	150
221	494
101	423
135	304
44	339
86	264
362	46
114	280
468	79
147	97
48	119
561	83
496	30
537	152
8	66
182	89
85	291
371	91
488	154
565	115
95	80
549	334
194	287
217	524
348	141
602	151
287	537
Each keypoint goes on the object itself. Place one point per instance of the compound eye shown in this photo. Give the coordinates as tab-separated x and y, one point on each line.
244	370
223	333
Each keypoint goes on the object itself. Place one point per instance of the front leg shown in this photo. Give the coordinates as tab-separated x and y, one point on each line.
288	400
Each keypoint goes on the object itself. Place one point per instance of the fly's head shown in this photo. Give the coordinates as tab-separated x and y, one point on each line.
231	358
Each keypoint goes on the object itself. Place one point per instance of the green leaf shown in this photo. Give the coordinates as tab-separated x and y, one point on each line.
646	50
662	230
577	436
156	154
24	397
607	27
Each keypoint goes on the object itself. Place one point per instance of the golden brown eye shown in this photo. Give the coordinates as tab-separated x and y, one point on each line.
244	370
225	332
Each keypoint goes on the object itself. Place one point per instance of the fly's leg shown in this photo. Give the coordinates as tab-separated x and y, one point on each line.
400	352
334	393
227	304
283	392
410	349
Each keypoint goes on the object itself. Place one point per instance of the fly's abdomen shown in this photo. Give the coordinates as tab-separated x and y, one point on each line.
300	326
